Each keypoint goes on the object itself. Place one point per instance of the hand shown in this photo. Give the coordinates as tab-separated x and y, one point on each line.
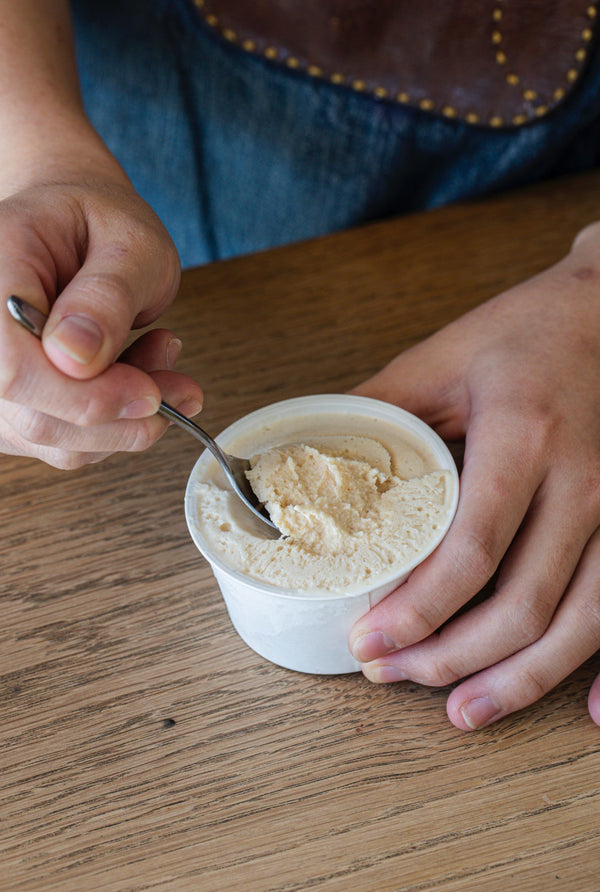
94	255
519	378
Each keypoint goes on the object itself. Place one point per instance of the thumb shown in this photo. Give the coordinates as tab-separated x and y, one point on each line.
91	320
426	380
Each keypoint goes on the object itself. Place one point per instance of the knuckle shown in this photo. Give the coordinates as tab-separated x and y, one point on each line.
67	461
138	436
532	685
440	673
588	610
91	411
588	234
34	427
477	558
99	284
143	237
421	620
531	619
170	268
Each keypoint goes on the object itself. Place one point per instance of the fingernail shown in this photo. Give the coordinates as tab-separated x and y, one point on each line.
372	645
385	674
190	407
140	408
173	350
79	337
480	712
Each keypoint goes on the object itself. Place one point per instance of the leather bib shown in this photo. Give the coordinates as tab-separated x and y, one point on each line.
492	63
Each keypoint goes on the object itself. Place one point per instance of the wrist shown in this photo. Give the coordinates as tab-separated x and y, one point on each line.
56	147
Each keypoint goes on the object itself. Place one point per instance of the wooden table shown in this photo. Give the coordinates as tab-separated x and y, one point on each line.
144	746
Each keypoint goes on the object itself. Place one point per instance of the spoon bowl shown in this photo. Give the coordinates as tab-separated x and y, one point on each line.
234	468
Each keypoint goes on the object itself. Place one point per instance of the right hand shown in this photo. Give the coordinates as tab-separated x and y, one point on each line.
94	256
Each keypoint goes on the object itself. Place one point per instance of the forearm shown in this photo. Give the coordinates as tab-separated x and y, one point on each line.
43	127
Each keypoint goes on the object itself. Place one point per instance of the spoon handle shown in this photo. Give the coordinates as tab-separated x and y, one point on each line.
195	430
30	318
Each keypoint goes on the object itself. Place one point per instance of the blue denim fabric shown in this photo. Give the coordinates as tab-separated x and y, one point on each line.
236	154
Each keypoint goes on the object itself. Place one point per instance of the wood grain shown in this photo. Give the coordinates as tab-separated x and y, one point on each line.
144	746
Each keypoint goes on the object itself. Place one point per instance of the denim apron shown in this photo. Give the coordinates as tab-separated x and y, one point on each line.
236	154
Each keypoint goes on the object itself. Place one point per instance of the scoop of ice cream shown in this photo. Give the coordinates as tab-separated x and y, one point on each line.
346	514
322	499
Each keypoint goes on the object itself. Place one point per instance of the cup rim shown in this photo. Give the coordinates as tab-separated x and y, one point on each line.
314	405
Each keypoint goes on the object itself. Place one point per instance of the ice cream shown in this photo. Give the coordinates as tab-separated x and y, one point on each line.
352	509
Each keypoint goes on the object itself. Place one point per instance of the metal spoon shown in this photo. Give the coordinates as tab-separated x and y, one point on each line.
235	468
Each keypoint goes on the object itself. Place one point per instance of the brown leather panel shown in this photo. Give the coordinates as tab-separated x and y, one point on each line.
496	63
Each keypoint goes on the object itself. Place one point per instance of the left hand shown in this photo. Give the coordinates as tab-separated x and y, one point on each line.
519	378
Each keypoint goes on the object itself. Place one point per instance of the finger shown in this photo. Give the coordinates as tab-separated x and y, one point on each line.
90	321
427	381
154	350
594	701
72	461
180	391
30	379
39	429
11	444
499	479
572	637
534	576
157	351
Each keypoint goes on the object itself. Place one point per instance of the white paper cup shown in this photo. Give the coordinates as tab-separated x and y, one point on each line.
303	630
